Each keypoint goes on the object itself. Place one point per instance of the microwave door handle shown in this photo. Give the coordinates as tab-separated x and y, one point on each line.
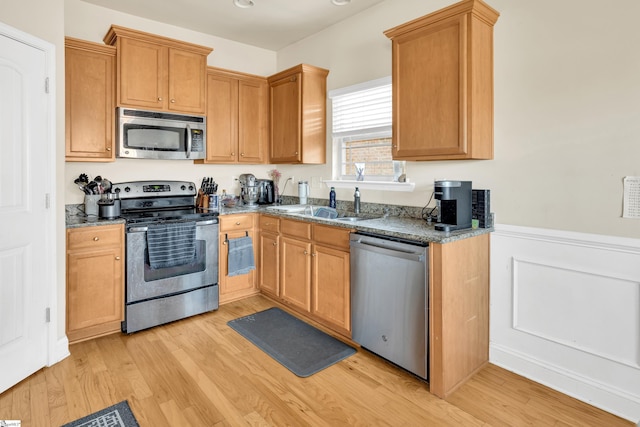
189	141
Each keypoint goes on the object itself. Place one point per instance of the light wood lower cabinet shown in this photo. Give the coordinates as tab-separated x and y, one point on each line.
313	275
459	312
269	257
232	288
95	281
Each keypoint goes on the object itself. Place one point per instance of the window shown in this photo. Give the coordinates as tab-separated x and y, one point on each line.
362	132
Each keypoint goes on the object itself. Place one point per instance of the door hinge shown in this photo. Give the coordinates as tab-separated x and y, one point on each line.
47	201
46	85
47	314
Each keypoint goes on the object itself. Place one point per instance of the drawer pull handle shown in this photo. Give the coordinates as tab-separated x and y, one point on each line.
95	239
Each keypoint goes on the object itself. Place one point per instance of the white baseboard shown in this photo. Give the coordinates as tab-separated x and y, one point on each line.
600	395
60	352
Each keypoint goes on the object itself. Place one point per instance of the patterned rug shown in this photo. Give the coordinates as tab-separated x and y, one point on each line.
118	415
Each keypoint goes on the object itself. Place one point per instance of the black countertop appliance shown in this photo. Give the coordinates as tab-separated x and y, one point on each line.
453	199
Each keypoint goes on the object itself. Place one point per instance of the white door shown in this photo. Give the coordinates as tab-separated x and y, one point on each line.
26	258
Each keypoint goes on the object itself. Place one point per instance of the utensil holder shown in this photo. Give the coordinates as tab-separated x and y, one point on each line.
91	204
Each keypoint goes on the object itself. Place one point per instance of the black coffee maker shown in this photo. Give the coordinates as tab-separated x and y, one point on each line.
453	199
266	191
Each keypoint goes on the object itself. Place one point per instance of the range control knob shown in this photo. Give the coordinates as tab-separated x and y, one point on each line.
182	187
127	189
190	188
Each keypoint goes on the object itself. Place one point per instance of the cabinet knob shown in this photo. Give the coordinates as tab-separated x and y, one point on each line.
238	223
224	242
233	154
108	148
160	99
296	153
314	254
173	101
395	146
241	154
117	258
293	79
95	239
274	244
305	252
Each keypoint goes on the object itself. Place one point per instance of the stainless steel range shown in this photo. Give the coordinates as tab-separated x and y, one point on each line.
171	253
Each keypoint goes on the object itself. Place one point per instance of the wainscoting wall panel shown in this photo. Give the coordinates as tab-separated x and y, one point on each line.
565	312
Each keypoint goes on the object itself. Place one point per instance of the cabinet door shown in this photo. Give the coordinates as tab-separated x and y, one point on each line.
253	116
331	287
95	292
187	81
269	263
429	104
295	272
234	287
142	74
222	119
90	101
285	123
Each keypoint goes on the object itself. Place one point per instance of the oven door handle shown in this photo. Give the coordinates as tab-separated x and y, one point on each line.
144	229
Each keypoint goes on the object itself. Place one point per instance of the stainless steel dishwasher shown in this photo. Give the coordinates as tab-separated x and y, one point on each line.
389	299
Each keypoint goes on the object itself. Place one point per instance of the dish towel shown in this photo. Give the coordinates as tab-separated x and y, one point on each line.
240	260
171	244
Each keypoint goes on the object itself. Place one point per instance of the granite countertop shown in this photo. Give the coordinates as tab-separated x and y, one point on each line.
386	220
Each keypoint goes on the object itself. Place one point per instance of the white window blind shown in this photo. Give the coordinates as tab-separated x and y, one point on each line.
362	109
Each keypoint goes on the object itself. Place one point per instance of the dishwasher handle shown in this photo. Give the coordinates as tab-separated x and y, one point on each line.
404	251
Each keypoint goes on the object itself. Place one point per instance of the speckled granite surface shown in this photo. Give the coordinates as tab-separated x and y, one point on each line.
404	222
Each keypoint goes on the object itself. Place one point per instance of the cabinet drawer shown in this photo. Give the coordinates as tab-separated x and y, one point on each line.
236	222
98	236
296	228
269	223
334	237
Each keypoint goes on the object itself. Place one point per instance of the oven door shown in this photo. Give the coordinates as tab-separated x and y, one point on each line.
157	296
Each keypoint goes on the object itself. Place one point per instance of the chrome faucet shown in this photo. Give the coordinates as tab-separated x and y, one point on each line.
356	201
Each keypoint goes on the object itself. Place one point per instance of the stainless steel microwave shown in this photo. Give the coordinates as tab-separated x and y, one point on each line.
145	134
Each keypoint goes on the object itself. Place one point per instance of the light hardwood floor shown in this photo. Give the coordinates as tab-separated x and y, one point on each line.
199	372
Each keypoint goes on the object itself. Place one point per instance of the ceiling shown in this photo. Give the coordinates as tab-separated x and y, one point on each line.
269	24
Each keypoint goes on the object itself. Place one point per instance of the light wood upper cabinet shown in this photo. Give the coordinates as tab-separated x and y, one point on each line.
443	84
237	117
90	73
298	115
159	73
95	281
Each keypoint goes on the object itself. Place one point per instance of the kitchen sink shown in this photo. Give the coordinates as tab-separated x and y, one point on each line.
351	218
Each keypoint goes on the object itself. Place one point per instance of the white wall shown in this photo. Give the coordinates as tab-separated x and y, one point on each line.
566	108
